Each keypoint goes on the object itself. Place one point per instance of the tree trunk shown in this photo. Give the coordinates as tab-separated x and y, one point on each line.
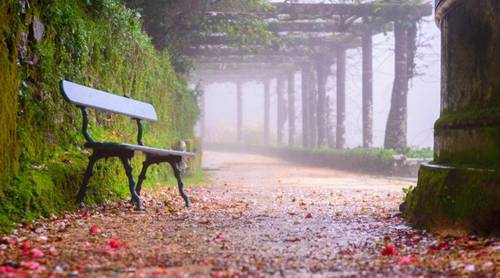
395	133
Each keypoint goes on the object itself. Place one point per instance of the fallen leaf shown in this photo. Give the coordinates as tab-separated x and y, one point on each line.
95	230
389	251
406	260
115	244
36	253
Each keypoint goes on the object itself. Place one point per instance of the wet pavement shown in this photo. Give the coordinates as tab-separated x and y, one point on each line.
257	217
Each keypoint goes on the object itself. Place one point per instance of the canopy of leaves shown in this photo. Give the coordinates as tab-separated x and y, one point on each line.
173	24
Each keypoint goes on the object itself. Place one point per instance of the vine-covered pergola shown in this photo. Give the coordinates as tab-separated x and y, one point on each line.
313	37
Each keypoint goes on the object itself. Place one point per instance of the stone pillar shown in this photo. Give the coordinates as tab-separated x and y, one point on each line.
396	128
267	109
330	136
280	92
305	76
367	103
202	114
341	60
291	108
322	69
239	111
313	108
459	192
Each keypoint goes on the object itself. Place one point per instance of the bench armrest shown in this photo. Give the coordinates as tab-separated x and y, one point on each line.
85	125
139	132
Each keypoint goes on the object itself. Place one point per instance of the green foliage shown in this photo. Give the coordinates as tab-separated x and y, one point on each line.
94	42
173	24
423	153
374	160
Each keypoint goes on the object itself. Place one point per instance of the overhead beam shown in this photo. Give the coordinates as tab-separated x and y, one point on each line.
326	10
390	11
250	59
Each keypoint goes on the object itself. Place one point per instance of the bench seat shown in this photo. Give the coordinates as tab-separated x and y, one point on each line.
144	149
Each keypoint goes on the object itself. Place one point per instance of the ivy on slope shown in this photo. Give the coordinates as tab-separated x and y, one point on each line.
99	43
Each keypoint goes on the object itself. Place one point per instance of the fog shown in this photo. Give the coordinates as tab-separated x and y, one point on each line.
423	98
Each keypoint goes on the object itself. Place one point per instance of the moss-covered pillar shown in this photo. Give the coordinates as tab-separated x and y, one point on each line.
239	111
459	191
267	110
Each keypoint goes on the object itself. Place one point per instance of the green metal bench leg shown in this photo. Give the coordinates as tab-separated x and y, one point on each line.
83	187
131	182
180	184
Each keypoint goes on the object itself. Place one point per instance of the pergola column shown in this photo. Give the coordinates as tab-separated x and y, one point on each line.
341	62
305	79
313	108
202	114
291	108
367	102
280	91
239	111
267	109
395	133
322	75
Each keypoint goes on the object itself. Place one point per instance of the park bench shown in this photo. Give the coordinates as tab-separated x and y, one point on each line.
85	97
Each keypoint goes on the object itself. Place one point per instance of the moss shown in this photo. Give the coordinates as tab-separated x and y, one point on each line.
476	118
455	200
97	43
8	90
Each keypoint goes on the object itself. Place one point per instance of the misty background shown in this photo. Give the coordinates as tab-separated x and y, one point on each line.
423	97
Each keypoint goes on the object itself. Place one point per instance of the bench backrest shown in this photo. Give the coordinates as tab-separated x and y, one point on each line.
83	96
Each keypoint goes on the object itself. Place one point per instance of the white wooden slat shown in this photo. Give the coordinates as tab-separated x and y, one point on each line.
89	97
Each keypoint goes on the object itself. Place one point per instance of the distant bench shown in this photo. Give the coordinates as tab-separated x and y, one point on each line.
85	97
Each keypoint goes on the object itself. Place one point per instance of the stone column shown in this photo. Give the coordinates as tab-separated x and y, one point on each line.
322	75
367	103
280	91
313	108
459	192
305	72
202	114
341	60
239	111
267	109
291	108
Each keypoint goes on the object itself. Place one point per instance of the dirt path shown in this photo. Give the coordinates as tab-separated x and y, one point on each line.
258	217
